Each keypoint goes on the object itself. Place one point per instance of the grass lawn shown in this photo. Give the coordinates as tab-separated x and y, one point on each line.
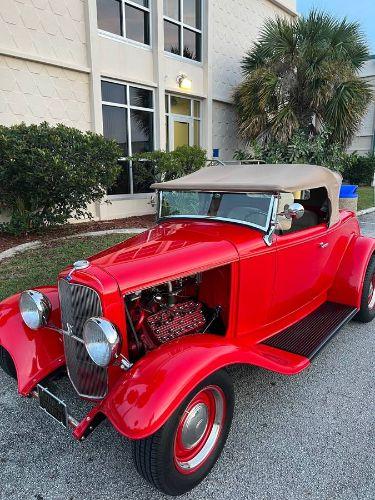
365	197
41	266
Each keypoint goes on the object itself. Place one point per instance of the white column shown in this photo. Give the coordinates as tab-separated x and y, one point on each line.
159	74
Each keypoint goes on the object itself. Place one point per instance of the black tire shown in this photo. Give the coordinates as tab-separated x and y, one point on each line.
6	363
155	456
366	312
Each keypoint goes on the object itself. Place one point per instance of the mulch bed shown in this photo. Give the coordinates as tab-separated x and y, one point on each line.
7	241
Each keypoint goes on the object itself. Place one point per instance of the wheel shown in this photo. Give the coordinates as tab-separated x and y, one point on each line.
181	454
6	363
367	310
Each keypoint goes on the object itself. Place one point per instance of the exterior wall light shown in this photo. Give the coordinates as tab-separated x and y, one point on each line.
183	81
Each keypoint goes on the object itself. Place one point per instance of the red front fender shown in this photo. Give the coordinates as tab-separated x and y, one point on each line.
35	353
153	389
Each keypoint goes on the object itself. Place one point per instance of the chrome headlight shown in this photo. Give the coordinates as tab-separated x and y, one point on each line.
35	309
101	340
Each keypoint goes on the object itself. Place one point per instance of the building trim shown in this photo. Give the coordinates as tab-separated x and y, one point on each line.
283	7
44	60
121	79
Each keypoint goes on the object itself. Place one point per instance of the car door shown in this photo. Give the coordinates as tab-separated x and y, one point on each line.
302	275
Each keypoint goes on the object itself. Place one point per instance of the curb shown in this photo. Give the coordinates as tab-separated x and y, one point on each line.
366	211
10	252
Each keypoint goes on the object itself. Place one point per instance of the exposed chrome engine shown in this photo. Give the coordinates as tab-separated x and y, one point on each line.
165	312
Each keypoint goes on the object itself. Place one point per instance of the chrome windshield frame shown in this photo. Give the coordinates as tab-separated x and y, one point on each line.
265	228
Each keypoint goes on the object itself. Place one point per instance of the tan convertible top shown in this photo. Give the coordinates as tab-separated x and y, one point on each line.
275	178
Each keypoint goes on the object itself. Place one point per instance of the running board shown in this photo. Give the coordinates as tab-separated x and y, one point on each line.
311	334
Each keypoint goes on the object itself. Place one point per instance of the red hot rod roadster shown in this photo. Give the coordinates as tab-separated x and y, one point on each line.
247	264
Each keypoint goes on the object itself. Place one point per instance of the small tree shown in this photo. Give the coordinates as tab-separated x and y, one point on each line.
302	74
159	166
49	174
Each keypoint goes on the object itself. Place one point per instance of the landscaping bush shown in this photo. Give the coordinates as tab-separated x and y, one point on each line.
49	174
160	166
303	147
359	169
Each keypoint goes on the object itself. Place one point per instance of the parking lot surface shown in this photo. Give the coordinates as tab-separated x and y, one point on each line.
309	436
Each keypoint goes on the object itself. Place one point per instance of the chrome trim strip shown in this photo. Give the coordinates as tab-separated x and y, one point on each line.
78	361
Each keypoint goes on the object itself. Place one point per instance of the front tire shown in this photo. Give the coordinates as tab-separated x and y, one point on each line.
183	451
6	363
367	310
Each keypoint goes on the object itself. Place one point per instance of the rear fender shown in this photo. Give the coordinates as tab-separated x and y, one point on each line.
148	394
37	353
348	283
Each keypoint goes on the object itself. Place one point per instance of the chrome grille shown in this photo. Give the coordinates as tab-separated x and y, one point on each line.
79	303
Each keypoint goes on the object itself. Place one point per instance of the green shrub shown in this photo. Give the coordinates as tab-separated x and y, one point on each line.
49	174
359	169
303	147
166	165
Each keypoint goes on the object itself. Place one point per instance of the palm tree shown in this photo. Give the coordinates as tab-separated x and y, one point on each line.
303	74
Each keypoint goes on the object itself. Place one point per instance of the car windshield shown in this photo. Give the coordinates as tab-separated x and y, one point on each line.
253	209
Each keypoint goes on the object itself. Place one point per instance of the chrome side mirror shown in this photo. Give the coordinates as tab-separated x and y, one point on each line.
294	211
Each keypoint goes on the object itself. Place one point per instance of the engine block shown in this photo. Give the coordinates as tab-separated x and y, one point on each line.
180	319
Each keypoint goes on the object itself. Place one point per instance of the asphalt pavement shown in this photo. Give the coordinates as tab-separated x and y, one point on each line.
309	436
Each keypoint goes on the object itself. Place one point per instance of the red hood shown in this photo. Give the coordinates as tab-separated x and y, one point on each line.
173	249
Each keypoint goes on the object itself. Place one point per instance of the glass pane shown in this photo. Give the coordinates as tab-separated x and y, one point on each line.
115	126
172	38
144	3
137	24
252	208
192	13
140	97
166	104
196	133
180	106
141	131
192	45
172	9
122	185
109	15
143	176
113	92
181	134
167	133
185	203
197	109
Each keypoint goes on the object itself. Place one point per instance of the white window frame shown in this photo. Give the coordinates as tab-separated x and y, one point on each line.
129	107
183	25
123	38
190	119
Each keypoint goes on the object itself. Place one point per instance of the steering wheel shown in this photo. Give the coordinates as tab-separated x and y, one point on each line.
254	211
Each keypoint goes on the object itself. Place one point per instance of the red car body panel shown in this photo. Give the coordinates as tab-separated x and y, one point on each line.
171	250
348	281
35	354
145	397
271	288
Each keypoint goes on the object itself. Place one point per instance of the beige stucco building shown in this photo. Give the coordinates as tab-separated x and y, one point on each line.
112	66
364	141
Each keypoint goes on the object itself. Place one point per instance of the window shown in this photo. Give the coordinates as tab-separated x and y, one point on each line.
128	19
316	210
253	209
128	118
183	28
183	121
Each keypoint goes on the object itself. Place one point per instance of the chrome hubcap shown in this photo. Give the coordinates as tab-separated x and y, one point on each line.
199	429
195	425
371	297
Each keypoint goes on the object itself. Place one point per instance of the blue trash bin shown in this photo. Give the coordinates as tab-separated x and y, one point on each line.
348	197
348	191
